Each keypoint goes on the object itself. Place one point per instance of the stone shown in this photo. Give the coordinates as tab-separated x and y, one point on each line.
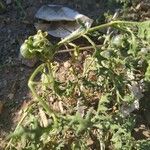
8	2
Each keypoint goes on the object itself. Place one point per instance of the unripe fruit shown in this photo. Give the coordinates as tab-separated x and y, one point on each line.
24	50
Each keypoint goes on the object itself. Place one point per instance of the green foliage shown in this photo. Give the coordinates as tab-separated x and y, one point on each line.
143	144
93	94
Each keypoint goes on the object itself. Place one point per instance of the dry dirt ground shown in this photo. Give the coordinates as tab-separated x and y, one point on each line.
16	24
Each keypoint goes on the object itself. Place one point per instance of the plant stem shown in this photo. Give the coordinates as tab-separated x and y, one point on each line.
78	34
80	48
31	86
113	24
90	41
26	112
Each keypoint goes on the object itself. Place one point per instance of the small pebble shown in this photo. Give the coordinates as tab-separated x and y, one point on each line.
8	2
10	95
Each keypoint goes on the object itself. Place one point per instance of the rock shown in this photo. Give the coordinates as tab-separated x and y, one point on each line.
8	2
60	21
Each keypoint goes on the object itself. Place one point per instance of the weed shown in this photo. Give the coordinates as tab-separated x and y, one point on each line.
92	98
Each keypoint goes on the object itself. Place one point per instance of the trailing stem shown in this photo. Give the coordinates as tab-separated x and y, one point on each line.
31	85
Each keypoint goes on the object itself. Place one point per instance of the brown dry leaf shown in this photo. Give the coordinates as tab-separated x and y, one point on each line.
146	134
56	106
61	107
90	142
43	117
67	64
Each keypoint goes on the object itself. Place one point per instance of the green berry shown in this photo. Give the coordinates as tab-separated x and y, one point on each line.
25	52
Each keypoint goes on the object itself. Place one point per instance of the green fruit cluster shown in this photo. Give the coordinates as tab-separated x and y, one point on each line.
36	45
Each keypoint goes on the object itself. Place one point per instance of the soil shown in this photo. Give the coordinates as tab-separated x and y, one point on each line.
16	24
